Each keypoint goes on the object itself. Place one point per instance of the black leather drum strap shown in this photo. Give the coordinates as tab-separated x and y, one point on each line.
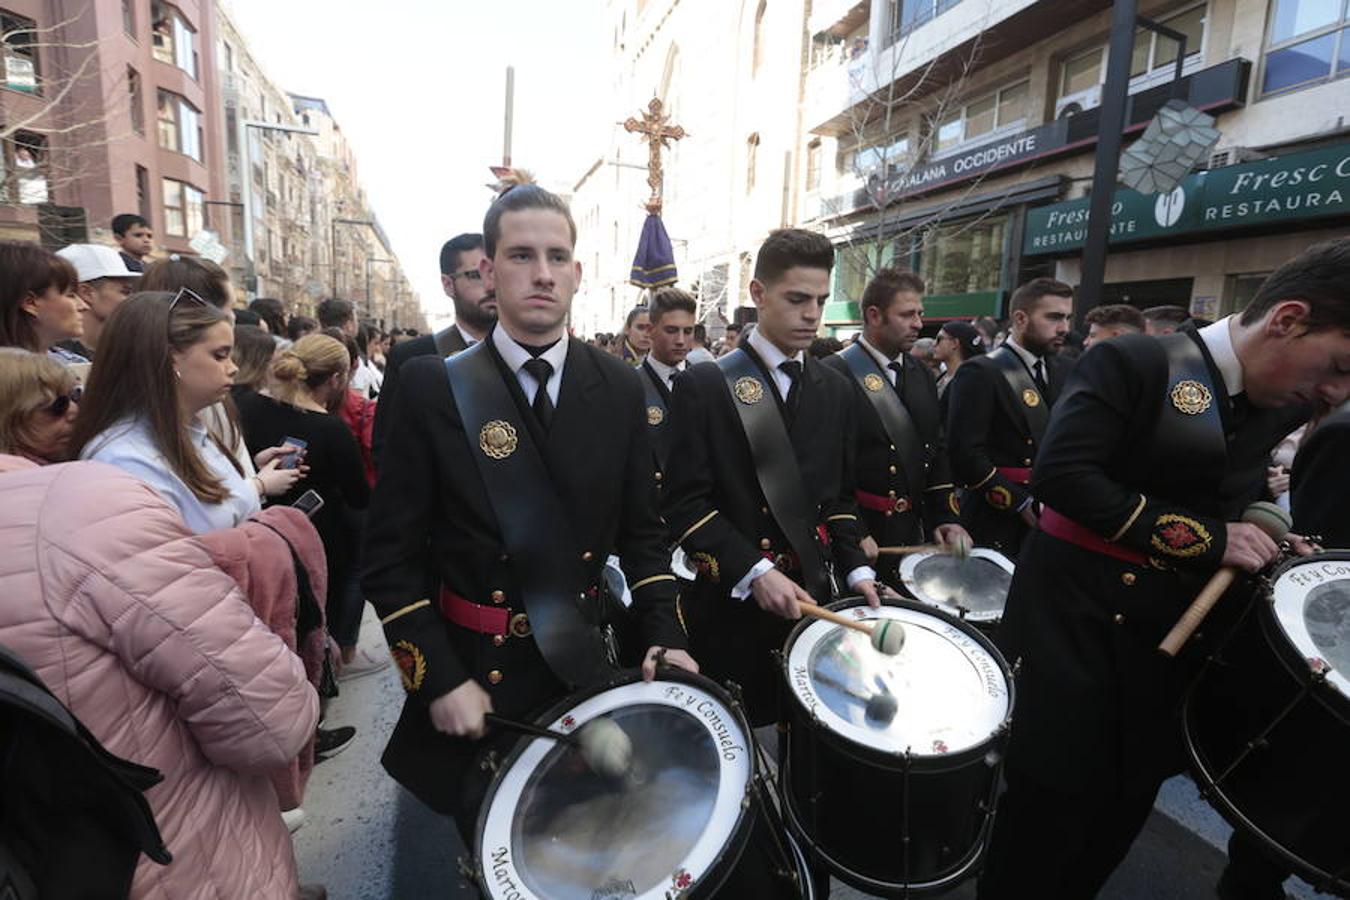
776	465
1025	396
534	527
1190	424
895	417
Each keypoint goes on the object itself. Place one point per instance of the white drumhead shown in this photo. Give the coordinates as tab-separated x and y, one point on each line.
950	693
557	831
975	588
1312	604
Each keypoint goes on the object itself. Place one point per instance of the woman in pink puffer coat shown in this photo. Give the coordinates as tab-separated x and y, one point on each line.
119	609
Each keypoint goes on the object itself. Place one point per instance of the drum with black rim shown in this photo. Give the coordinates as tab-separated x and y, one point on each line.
1267	721
974	588
691	819
892	762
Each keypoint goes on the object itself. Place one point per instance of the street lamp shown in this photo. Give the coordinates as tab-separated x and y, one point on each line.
332	243
246	173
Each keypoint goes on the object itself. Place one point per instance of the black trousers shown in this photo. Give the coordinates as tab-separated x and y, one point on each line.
1051	844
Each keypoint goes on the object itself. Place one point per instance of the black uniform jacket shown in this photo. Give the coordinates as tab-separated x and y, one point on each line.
716	511
1320	482
987	430
432	524
880	470
448	339
658	416
1096	700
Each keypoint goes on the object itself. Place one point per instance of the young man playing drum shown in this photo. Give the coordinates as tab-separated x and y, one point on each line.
759	490
997	409
1155	448
904	485
523	461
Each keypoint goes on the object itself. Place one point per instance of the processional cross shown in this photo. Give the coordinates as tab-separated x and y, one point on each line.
657	132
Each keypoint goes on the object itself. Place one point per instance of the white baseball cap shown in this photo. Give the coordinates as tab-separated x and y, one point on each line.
93	261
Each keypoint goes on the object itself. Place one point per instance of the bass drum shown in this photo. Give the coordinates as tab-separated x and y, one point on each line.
892	762
1267	721
974	588
690	820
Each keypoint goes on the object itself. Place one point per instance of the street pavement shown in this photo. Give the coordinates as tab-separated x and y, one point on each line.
367	839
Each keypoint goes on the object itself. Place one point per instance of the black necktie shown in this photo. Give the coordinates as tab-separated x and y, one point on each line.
793	370
1038	373
540	370
899	369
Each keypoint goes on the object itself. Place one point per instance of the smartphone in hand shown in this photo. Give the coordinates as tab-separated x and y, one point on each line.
309	503
292	460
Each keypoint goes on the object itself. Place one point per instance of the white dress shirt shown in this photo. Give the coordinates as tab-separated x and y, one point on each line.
666	372
130	446
699	355
1218	339
469	340
516	356
1028	358
773	358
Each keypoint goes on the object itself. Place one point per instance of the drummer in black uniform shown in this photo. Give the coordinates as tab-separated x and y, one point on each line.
523	461
904	486
761	537
998	406
672	313
1155	448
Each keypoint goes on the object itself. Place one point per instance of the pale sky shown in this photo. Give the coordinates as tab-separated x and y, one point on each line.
418	88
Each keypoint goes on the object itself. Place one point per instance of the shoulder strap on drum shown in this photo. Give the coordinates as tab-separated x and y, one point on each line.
534	526
1023	390
895	417
776	467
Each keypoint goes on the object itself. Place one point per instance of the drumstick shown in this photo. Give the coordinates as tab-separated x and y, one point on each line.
1271	519
530	729
887	635
912	548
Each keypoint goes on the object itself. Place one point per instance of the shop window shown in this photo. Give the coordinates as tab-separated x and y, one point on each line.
1308	43
184	208
136	100
856	265
180	125
906	15
1001	111
20	53
1152	61
964	257
175	41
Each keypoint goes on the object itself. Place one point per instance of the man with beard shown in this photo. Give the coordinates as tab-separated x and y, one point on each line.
904	486
998	409
1155	448
475	311
522	461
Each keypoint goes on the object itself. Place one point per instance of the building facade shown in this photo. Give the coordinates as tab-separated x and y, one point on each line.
957	138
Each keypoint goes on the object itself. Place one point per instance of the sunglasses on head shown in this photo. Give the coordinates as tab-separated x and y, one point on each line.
61	404
186	294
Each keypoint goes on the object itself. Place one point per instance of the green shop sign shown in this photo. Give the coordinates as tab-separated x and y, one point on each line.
1289	188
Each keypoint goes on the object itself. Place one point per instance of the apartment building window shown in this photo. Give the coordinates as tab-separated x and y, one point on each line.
1154	59
26	169
136	100
751	161
20	53
143	193
906	15
882	157
180	125
1308	43
175	42
813	165
1001	110
184	208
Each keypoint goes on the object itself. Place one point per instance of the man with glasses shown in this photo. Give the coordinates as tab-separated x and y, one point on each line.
475	313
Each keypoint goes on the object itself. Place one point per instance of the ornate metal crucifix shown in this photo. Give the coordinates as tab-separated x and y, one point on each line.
657	132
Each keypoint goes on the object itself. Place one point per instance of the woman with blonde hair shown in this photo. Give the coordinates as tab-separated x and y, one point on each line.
39	398
309	384
163	359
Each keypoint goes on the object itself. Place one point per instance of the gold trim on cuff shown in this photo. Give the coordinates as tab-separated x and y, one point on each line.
404	611
1143	501
983	481
942	487
696	526
651	579
842	516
